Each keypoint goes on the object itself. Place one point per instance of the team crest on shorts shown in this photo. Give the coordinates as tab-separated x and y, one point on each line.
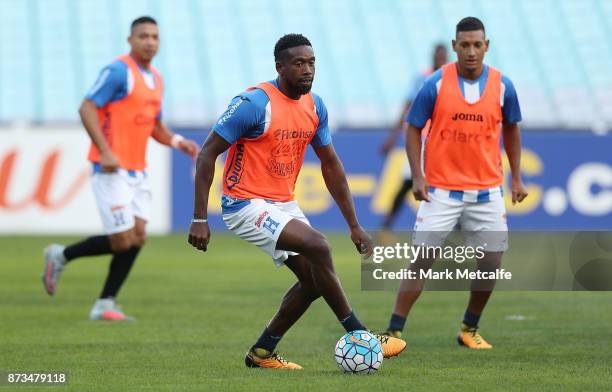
261	218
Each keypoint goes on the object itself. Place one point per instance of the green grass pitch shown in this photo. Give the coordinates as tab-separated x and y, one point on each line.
199	312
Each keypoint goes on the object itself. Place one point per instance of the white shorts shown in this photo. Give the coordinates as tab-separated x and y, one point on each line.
261	223
121	196
483	222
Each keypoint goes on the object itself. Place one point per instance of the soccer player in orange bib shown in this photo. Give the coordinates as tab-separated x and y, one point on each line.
267	129
468	103
120	112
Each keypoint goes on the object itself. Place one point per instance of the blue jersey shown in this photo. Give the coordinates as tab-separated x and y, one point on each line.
114	83
425	101
248	116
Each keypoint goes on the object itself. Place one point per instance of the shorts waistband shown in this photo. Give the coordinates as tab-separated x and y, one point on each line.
97	168
477	196
231	204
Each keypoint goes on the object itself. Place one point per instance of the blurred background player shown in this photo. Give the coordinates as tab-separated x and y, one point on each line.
120	112
462	167
440	57
267	130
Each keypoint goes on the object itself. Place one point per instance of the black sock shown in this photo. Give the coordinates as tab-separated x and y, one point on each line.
267	340
120	267
92	246
351	323
396	323
470	319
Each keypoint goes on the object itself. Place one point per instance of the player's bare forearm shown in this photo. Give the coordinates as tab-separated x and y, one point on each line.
205	171
420	187
199	232
163	135
413	149
336	183
89	117
512	144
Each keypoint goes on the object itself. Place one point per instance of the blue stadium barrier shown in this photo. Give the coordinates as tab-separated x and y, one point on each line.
569	175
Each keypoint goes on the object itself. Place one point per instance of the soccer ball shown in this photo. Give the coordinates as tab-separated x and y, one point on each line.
359	352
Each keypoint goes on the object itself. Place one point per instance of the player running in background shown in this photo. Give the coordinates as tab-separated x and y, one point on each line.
468	102
440	57
267	130
120	112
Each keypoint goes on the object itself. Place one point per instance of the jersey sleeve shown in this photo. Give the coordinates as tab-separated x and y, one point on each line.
424	103
111	81
240	118
322	136
511	110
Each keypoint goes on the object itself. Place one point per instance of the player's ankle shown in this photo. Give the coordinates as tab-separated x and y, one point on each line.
397	323
471	320
352	323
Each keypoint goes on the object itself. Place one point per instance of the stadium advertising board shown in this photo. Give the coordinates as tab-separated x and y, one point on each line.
44	183
569	176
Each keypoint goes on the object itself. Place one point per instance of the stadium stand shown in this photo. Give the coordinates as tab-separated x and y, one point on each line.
558	53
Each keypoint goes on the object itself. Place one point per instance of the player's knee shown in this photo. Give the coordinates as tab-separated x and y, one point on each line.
121	244
140	233
139	240
319	247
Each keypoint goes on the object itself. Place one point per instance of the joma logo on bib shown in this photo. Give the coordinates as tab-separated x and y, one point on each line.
467	117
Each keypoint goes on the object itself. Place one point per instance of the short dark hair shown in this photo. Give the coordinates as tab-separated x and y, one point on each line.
289	41
141	20
470	24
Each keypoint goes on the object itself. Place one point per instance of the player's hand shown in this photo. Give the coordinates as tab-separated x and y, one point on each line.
519	191
420	188
109	162
362	241
199	235
189	147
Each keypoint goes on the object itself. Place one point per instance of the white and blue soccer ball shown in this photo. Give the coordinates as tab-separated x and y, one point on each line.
359	352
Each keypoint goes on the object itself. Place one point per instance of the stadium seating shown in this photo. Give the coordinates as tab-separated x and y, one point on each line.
558	53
